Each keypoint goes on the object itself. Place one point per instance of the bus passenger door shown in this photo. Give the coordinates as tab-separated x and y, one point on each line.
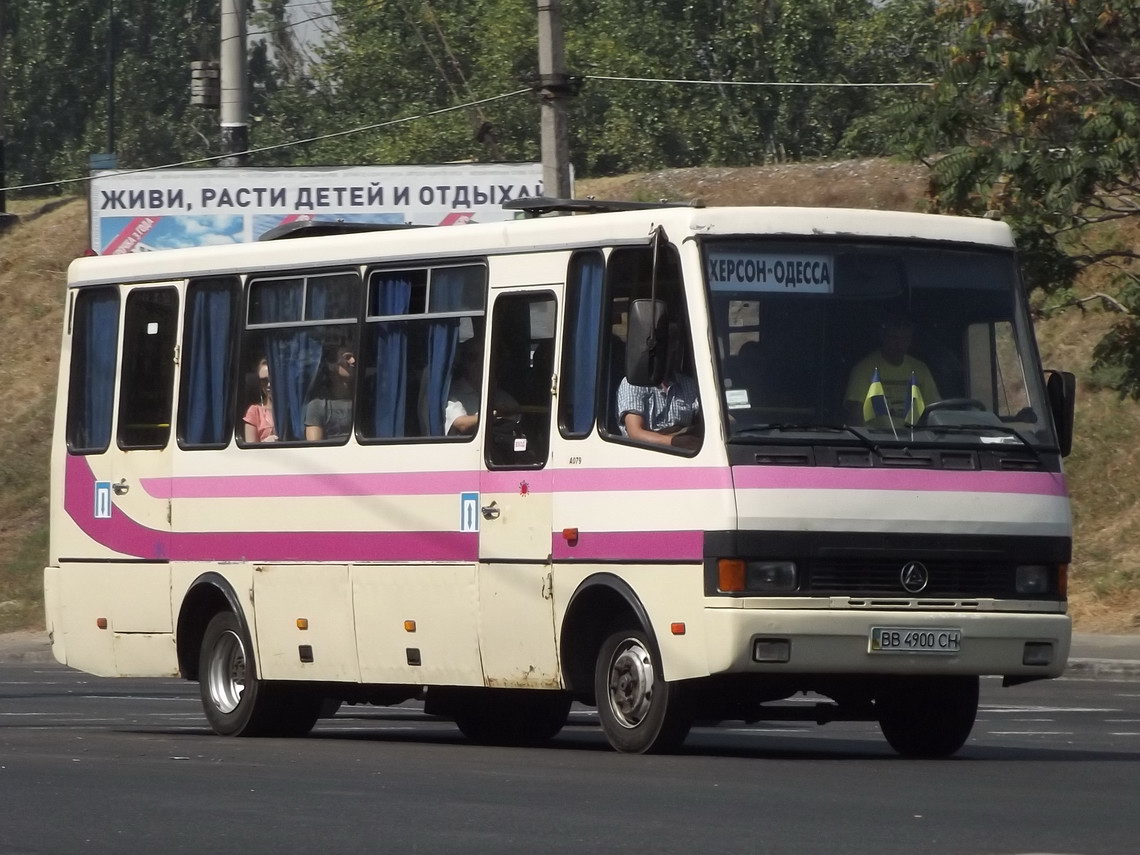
115	560
517	641
140	456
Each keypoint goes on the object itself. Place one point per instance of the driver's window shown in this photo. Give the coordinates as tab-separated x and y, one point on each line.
520	380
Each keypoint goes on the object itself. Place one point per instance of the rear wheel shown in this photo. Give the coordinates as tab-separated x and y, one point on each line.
928	716
639	711
235	701
512	716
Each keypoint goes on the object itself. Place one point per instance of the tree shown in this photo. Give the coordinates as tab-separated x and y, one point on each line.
1036	114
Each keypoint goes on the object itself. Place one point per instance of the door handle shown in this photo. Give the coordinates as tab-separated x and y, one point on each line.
490	512
122	488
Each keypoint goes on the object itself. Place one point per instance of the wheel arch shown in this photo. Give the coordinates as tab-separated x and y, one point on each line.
207	595
600	605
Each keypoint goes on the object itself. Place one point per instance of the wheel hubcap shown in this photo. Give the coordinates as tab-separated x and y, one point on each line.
226	678
631	683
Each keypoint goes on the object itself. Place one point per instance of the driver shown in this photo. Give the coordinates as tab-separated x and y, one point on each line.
658	414
895	369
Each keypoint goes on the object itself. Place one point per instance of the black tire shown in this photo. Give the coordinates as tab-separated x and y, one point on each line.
235	701
928	717
640	713
512	716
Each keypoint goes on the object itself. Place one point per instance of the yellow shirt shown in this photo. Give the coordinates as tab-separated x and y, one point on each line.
896	383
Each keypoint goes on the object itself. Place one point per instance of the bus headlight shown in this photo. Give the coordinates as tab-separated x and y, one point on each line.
771	576
1032	579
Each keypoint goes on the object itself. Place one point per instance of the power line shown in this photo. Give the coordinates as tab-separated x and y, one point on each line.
277	146
684	82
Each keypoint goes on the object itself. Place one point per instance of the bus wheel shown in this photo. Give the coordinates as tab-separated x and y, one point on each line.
235	701
928	716
640	712
513	716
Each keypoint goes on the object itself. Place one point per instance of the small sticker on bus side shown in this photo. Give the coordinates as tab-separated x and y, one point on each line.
468	511
102	500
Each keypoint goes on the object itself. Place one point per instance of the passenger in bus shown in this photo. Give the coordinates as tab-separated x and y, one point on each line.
258	419
461	416
329	414
894	367
666	414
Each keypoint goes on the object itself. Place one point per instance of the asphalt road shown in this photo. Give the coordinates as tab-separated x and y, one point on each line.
128	766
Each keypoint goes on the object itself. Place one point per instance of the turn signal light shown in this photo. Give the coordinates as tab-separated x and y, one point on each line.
1063	581
730	575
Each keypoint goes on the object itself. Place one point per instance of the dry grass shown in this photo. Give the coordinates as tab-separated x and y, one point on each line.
33	261
1103	471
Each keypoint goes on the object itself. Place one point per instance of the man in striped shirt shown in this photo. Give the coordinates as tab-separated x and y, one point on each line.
665	414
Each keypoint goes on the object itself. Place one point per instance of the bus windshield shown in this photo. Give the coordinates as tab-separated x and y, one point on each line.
919	344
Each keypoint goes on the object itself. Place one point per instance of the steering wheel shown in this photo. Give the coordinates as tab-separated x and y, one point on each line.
954	404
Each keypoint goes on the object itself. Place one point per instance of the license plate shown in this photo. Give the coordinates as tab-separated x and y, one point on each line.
905	639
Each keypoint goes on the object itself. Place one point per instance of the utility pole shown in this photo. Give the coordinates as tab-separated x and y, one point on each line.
111	77
235	83
3	120
555	88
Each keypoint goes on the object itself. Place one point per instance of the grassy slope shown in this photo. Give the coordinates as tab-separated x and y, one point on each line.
1103	469
33	261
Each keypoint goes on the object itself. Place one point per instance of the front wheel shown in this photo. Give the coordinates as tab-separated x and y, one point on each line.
639	711
928	716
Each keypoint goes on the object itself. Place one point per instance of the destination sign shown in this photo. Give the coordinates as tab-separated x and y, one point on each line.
775	272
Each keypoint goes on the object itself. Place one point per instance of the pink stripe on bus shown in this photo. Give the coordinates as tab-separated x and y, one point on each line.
924	480
437	483
322	484
630	546
125	535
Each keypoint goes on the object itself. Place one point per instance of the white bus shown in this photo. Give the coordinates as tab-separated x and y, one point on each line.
801	521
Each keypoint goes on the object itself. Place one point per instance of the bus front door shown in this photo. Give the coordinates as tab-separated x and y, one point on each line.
517	641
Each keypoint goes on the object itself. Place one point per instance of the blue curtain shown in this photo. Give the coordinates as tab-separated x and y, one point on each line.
211	307
390	400
294	356
101	340
447	295
587	313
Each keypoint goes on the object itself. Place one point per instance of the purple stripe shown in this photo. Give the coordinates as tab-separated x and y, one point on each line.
644	478
298	486
630	546
437	483
925	480
123	534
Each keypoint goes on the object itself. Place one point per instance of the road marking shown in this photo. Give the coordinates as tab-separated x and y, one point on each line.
1030	732
1003	709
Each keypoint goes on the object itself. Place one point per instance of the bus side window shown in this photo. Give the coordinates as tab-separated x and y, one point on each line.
147	393
208	338
581	344
518	396
418	322
91	391
304	327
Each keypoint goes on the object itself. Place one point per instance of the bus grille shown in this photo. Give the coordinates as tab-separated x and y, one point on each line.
947	579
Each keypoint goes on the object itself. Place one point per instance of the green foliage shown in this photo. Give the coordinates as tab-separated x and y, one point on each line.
1035	114
401	57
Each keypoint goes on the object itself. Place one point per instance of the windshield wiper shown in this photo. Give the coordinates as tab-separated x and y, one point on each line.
973	429
781	427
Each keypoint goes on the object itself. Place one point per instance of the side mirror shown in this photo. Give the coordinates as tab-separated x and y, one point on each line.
1061	387
646	345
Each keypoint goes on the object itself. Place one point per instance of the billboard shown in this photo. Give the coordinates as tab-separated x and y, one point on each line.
175	208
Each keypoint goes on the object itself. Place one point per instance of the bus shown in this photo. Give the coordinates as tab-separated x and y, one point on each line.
400	464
